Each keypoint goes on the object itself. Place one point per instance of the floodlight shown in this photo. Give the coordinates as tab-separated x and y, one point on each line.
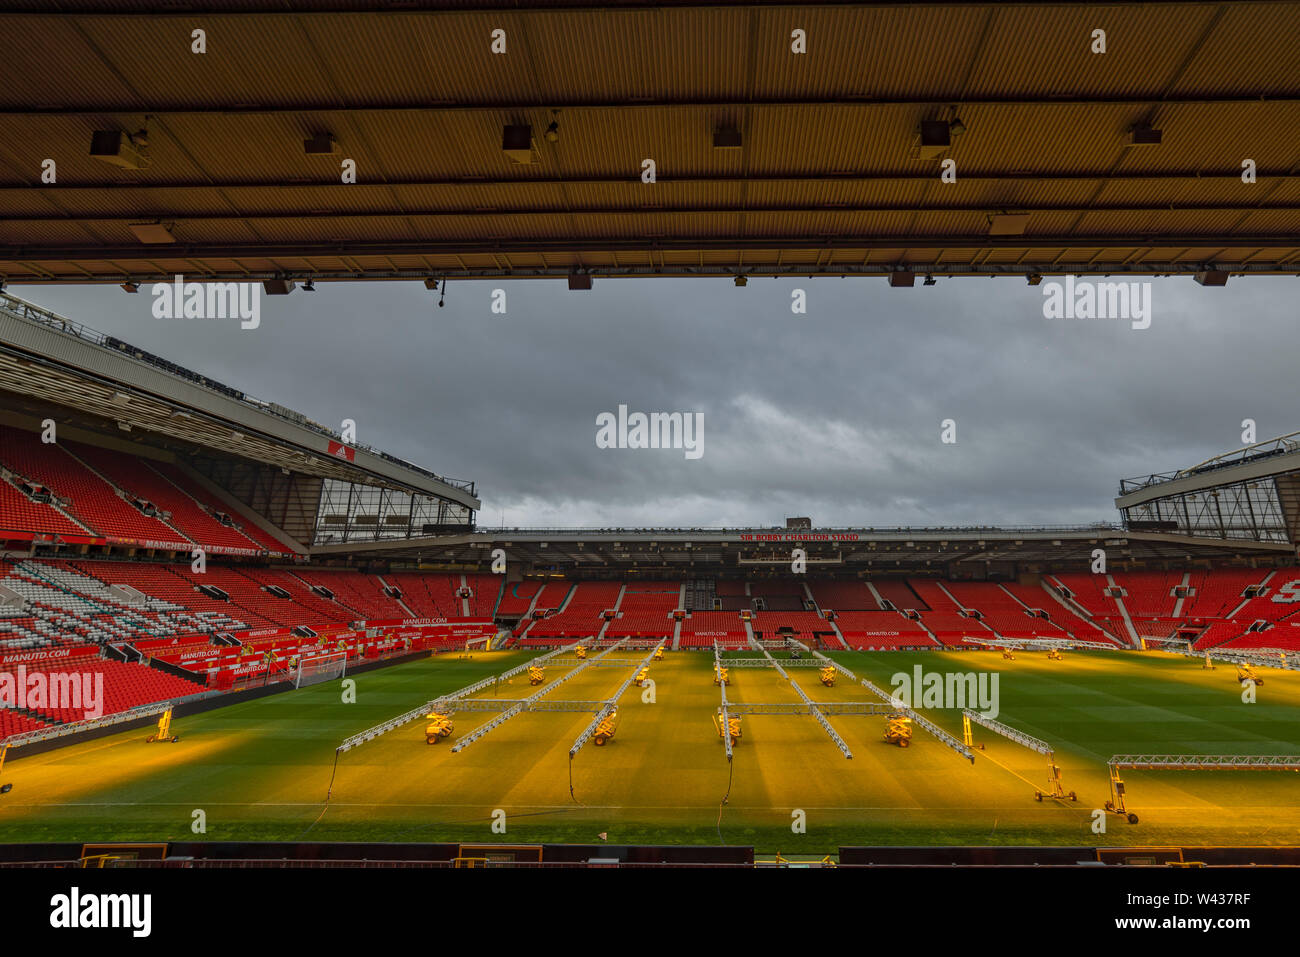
936	138
127	150
726	139
1144	135
320	144
152	234
517	143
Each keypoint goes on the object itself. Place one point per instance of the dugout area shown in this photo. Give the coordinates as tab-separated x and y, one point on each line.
260	770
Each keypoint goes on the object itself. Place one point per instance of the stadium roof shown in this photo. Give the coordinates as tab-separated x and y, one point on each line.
827	177
47	360
1270	457
830	551
1250	492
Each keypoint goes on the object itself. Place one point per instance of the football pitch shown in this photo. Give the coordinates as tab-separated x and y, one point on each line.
260	770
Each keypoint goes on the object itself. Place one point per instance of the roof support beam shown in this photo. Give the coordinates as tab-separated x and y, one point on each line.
325	109
152	9
305	250
884	176
175	216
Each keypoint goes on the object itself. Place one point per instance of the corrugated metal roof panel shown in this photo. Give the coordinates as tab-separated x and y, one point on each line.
702	66
1253	49
869	52
259	62
1048	47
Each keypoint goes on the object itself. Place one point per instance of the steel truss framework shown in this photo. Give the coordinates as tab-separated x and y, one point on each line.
447	702
810	705
924	723
813	708
1250	510
1054	787
524	705
1043	644
598	662
89	724
508	708
725	708
1201	762
506	704
1179	645
819	710
609	704
776	644
1189	762
997	727
1278	658
898	707
1281	660
351	512
771	663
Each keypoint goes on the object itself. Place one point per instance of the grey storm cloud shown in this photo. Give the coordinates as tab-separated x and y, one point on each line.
835	414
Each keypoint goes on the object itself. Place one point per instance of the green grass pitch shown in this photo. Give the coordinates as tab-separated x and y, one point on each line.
260	770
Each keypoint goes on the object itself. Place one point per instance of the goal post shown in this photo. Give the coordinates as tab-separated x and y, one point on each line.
317	668
481	643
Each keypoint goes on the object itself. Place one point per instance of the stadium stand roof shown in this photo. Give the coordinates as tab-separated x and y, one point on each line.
614	552
49	361
1250	492
828	177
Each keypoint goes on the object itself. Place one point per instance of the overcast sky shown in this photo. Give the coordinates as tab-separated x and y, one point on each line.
835	415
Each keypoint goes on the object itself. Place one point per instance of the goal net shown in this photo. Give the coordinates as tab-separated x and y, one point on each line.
320	668
1180	645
